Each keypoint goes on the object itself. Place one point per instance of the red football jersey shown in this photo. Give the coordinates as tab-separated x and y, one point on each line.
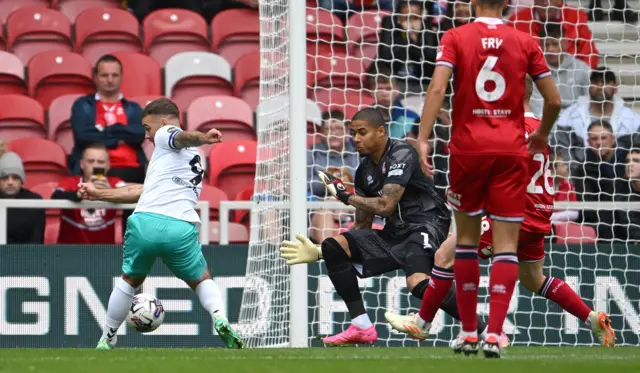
565	192
86	226
539	207
490	61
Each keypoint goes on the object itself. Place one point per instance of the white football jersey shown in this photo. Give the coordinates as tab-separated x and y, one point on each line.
174	179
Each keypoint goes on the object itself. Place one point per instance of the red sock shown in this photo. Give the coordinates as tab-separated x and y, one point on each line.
439	285
467	275
502	281
557	291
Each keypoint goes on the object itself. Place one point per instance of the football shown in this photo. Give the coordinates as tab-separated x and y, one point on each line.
146	313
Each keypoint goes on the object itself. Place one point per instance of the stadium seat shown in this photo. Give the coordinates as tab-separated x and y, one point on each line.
51	229
72	8
53	74
214	196
234	33
60	121
11	74
9	6
325	33
237	233
33	30
21	117
232	116
247	79
171	31
190	75
45	189
574	233
362	30
100	31
44	160
276	109
347	101
141	74
232	165
335	71
242	216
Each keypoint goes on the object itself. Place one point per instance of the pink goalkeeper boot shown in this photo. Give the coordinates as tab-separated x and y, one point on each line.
353	335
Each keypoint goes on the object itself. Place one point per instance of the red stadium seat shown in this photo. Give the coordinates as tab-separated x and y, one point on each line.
242	216
190	75
45	190
237	233
54	74
21	117
337	71
234	33
574	233
72	8
338	99
232	165
232	116
9	6
325	33
363	29
51	229
214	196
43	160
141	74
100	31
60	121
33	30
171	31
247	79
11	74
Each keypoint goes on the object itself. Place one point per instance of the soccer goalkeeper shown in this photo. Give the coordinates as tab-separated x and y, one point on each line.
388	183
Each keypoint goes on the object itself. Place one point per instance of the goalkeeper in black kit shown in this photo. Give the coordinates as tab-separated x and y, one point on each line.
388	183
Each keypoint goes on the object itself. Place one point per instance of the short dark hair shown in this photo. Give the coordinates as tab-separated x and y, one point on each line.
161	106
602	74
97	146
333	115
379	73
399	4
371	115
491	3
602	123
551	30
634	151
106	58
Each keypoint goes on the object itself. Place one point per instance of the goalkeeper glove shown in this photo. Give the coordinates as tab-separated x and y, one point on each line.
303	251
335	186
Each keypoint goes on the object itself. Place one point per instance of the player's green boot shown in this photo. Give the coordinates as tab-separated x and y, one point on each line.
230	338
104	345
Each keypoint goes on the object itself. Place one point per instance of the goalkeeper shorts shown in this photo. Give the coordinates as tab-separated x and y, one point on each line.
150	236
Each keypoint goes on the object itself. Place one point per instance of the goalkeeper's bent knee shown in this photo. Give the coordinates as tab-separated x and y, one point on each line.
335	258
420	288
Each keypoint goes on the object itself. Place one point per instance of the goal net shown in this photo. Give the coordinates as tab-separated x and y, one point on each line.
382	56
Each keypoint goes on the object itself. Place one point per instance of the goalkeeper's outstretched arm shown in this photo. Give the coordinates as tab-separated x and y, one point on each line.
127	194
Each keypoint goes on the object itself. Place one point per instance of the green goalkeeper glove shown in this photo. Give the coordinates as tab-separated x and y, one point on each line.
303	251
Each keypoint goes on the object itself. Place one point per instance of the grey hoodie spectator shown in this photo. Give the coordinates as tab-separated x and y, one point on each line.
24	226
570	74
571	133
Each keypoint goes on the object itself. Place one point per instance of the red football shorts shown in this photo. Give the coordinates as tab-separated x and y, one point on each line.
491	184
530	244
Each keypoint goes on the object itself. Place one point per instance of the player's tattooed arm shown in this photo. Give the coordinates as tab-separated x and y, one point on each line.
384	205
189	139
364	220
126	194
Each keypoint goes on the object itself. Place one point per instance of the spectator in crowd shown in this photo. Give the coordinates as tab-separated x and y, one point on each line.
388	100
603	103
570	74
574	25
343	8
459	13
629	191
408	46
619	11
564	189
88	226
336	155
24	226
597	178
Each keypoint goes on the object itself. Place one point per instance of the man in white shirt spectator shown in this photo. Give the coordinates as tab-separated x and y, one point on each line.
602	104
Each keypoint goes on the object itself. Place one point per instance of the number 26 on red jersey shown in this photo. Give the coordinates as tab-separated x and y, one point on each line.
545	170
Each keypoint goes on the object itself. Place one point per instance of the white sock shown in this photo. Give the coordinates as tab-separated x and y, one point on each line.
117	310
362	321
210	297
421	322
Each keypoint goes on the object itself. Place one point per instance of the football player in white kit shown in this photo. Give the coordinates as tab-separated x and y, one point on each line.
164	224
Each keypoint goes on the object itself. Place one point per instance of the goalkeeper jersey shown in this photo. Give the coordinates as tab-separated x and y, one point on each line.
174	179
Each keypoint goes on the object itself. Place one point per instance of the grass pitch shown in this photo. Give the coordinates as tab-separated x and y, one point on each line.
317	360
